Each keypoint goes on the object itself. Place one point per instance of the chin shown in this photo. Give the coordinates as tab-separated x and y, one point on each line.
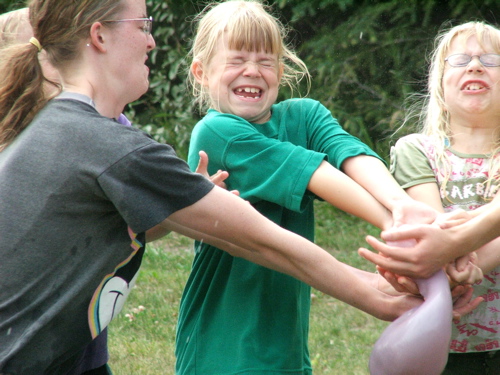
143	91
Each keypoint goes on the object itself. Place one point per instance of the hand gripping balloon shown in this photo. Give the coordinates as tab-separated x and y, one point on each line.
418	341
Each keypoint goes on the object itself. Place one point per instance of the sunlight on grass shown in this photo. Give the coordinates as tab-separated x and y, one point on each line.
142	338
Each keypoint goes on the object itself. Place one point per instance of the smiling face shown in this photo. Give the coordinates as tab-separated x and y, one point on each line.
241	82
474	89
129	47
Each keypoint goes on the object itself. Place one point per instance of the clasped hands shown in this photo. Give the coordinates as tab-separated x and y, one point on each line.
462	272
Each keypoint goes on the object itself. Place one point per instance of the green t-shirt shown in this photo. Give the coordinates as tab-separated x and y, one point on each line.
237	317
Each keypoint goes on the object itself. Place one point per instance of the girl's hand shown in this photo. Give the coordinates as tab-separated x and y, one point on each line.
217	178
410	211
462	303
451	219
464	270
434	248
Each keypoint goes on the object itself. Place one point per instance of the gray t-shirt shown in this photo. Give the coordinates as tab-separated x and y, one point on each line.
77	193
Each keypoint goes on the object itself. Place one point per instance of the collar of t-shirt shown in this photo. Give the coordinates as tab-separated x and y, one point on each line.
122	119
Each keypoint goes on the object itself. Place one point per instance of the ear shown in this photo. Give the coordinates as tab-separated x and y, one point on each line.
197	72
98	36
281	70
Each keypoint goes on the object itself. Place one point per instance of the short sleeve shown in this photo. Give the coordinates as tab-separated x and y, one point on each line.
260	166
409	163
327	136
151	183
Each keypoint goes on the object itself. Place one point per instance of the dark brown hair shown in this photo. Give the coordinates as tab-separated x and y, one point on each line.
61	27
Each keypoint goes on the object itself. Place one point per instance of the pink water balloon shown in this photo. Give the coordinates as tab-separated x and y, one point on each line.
418	341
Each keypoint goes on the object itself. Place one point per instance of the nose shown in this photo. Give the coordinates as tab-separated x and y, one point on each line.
475	64
151	42
251	69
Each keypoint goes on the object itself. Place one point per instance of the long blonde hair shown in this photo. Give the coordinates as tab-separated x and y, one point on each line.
59	26
14	27
248	25
434	116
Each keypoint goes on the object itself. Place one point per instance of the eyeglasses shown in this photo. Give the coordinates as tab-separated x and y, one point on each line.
148	23
462	59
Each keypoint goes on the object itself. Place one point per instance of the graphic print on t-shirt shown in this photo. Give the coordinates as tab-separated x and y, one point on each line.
110	296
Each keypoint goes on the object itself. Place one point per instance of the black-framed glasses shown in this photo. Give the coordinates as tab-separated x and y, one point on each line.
462	59
148	23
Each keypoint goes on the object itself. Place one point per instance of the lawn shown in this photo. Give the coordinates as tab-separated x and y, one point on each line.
341	337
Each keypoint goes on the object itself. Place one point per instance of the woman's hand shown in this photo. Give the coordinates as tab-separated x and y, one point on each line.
391	283
461	294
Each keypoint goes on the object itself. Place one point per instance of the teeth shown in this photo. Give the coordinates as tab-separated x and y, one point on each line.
252	90
474	86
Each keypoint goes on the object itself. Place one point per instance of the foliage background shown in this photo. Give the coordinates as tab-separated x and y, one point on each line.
367	59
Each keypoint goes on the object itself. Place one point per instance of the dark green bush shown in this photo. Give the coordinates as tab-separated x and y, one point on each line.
366	57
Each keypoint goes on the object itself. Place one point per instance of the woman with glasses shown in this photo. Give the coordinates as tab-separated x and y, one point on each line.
453	163
15	28
80	193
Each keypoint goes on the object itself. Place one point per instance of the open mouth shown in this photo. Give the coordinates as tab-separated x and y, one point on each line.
474	86
248	92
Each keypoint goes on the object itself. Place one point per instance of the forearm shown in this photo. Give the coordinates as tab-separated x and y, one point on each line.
236	227
341	191
232	225
489	256
374	176
156	233
251	255
478	231
369	278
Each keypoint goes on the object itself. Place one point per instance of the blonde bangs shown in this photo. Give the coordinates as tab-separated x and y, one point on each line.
254	34
484	33
245	25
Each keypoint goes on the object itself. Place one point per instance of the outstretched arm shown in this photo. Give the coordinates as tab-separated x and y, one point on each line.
435	246
228	222
341	191
218	179
488	256
373	175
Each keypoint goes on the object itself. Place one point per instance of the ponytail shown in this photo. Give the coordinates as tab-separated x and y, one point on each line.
21	90
58	26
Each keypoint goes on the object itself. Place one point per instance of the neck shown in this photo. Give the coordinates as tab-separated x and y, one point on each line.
103	105
479	137
85	77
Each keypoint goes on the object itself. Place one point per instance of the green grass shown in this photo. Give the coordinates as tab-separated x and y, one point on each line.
341	337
